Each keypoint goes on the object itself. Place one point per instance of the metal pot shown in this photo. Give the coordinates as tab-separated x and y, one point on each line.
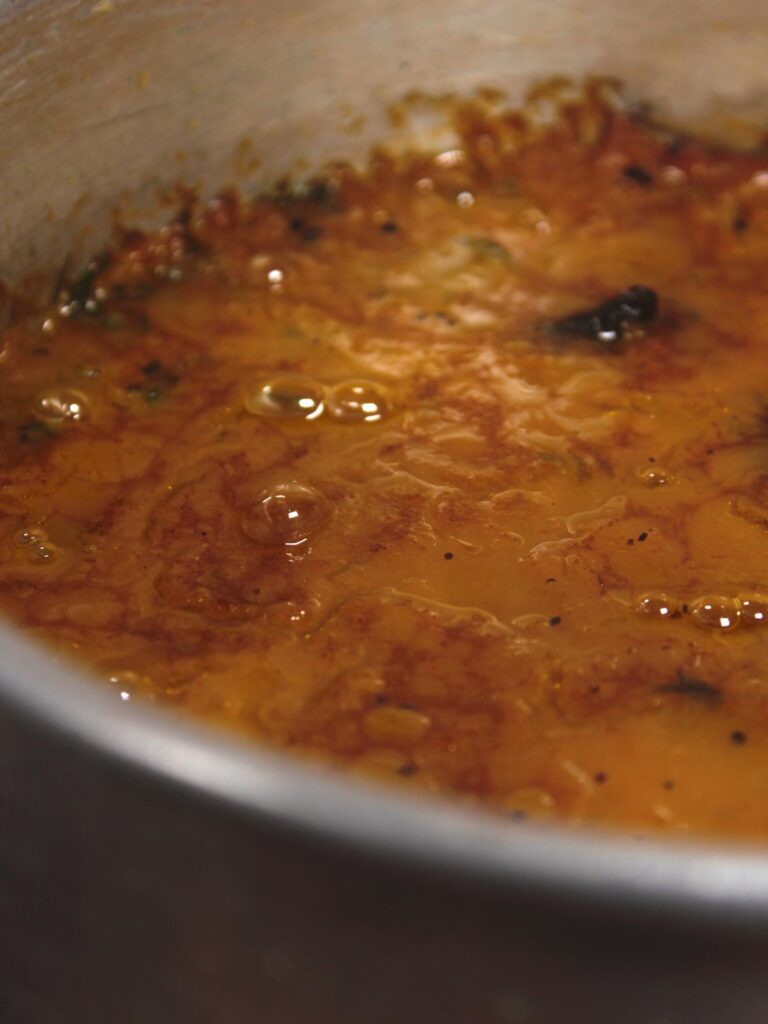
153	872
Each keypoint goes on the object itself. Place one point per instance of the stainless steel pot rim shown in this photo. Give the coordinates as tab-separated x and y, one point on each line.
690	881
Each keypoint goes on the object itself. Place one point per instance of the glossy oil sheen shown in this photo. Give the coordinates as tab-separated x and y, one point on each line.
529	575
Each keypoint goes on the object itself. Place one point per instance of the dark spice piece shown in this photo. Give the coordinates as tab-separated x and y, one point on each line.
448	556
600	777
688	686
409	768
739	224
643	536
607	321
389	227
738	737
555	620
638	174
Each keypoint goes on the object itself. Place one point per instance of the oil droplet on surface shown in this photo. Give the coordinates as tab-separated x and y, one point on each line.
30	535
655	476
289	397
42	553
359	401
721	613
61	405
754	609
287	514
658	606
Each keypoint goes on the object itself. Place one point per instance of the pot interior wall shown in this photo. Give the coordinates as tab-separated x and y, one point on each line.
110	101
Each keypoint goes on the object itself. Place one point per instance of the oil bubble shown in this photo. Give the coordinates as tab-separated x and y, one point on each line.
61	405
754	609
654	476
288	397
42	553
286	514
28	535
716	612
658	606
359	401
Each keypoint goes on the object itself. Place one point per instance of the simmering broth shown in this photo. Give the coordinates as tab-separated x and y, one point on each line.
452	472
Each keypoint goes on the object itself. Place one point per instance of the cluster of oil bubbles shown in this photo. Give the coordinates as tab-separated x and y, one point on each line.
69	306
712	611
286	513
34	544
294	397
61	405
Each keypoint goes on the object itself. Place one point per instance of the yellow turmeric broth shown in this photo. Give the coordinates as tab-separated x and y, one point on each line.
453	472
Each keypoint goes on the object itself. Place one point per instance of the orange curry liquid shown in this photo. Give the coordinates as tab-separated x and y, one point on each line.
331	469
